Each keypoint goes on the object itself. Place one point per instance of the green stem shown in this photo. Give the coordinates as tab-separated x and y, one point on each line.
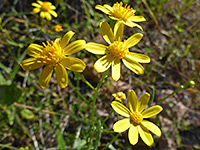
184	86
96	93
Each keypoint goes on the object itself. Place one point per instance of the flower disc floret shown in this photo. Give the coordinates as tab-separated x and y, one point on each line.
52	53
136	118
123	13
46	6
118	49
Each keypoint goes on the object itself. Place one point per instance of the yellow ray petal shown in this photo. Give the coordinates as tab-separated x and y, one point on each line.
145	135
116	67
132	24
74	47
36	5
52	7
120	109
45	76
48	16
137	18
122	125
53	13
152	111
103	63
34	50
138	57
152	127
132	100
42	14
73	64
36	10
106	32
133	40
103	9
65	39
96	48
61	76
30	64
133	135
143	101
118	30
133	65
108	7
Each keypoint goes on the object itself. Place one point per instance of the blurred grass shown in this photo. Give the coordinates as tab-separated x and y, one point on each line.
60	118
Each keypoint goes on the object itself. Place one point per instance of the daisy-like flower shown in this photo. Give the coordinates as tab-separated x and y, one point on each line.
119	96
53	56
117	50
134	120
45	8
58	28
124	14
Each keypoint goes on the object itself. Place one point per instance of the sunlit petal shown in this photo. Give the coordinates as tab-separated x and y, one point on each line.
143	101
133	65
132	100
103	63
118	30
53	13
152	111
138	57
133	135
66	38
132	24
48	16
36	10
61	76
36	5
108	7
73	64
96	48
145	135
34	50
133	40
31	64
106	32
152	127
103	9
122	125
52	7
116	67
45	76
137	18
120	109
74	47
42	14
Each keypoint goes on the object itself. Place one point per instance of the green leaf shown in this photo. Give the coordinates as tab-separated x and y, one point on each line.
9	94
27	114
60	139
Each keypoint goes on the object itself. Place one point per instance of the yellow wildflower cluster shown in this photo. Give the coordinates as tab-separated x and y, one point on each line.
54	56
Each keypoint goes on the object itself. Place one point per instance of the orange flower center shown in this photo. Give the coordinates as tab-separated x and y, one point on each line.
45	6
123	13
118	49
52	53
136	118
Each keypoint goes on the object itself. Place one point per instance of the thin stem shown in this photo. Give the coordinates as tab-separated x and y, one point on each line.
96	93
184	86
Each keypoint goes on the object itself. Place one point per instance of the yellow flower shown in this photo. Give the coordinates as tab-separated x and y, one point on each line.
124	14
53	56
45	8
117	50
134	120
119	96
58	28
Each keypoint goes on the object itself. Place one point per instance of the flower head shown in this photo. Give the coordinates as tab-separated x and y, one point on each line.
58	28
53	56
135	118
117	50
124	14
45	8
119	96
